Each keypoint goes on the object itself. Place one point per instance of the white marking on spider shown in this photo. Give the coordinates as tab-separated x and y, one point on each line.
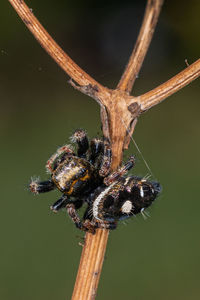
141	192
95	207
66	175
126	207
126	181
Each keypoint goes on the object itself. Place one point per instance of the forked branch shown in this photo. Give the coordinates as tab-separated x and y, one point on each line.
119	114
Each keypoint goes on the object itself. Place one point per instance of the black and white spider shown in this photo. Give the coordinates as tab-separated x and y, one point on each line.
86	178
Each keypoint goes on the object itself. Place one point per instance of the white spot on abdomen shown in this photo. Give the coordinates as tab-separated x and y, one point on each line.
126	207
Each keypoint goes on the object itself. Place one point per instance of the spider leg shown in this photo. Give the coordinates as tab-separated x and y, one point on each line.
107	225
86	224
106	162
115	176
90	224
37	187
71	209
62	151
88	213
60	203
81	139
96	149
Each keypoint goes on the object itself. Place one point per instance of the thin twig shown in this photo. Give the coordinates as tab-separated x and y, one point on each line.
142	44
90	265
171	86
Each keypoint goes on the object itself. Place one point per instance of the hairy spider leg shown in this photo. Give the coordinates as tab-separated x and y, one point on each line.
60	203
96	150
115	176
88	213
107	158
71	209
90	224
37	187
51	163
106	225
81	139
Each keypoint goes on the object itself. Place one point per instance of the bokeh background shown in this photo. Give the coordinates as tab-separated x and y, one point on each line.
156	258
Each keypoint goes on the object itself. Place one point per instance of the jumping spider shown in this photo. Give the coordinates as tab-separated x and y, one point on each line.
86	178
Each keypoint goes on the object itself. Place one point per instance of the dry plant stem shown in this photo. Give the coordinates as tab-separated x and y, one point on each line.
119	114
90	265
142	44
168	88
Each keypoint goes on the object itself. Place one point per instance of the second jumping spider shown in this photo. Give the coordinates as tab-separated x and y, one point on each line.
86	178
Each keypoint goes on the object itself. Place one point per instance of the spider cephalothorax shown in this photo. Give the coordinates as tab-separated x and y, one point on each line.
86	178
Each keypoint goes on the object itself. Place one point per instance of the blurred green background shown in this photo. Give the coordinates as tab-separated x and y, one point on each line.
157	258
